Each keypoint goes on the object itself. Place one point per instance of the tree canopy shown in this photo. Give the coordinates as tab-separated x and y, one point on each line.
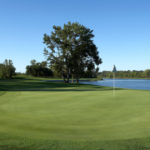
38	69
72	50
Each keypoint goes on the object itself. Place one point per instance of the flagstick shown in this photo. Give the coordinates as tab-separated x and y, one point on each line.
114	86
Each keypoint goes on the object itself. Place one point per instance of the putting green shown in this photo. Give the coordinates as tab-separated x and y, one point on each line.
80	112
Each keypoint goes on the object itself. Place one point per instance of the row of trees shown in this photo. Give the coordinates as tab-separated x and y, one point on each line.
37	69
7	70
126	74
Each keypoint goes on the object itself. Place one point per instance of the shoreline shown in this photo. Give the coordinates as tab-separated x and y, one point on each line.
127	78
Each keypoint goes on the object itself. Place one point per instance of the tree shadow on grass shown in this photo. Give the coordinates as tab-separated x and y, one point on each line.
28	85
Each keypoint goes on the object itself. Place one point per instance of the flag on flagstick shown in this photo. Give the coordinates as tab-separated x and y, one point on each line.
114	70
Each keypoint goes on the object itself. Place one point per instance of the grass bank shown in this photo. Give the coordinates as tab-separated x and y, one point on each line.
46	115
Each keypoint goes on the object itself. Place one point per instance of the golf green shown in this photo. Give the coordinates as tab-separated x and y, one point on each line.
74	112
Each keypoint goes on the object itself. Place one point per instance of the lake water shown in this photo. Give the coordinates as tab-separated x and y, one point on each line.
141	84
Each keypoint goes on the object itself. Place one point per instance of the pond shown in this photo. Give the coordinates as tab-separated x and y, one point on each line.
141	84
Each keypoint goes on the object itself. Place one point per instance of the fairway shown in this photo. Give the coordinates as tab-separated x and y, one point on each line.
72	112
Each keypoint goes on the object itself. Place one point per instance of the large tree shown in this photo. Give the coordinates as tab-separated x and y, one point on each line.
71	49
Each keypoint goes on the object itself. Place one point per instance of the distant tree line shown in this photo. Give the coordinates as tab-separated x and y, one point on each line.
37	69
126	74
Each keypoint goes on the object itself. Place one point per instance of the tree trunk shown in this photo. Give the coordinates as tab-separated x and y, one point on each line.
63	78
67	77
77	79
72	78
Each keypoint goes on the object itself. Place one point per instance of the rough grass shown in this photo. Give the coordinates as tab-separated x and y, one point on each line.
8	142
46	115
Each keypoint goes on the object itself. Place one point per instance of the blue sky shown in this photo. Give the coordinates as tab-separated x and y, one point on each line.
121	29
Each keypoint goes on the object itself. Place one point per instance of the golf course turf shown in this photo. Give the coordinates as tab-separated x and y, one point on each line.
47	115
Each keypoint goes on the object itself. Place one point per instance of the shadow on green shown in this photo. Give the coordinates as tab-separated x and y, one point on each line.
36	85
